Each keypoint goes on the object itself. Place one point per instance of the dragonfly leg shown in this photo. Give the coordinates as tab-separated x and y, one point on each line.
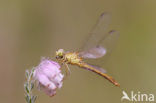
67	69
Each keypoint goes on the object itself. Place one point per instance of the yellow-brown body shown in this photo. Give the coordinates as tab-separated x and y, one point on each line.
74	59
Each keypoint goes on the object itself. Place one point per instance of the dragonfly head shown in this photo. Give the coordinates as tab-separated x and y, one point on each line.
59	54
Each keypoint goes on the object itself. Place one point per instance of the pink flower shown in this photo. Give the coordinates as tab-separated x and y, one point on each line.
48	76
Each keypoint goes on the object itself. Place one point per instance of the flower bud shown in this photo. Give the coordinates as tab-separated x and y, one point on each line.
48	76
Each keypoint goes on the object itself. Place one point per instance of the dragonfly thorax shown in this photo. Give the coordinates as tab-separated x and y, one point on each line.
70	57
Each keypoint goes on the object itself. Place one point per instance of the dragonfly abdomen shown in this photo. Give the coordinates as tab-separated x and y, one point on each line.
91	68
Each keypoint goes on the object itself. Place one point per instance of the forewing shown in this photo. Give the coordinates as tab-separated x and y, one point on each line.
99	42
98	32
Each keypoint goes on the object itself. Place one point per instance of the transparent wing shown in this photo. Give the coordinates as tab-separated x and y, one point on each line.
100	72
95	52
98	32
104	46
99	41
98	68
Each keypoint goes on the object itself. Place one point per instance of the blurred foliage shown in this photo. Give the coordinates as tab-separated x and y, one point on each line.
30	29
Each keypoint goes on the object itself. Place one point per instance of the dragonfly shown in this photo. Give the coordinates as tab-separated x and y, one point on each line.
99	43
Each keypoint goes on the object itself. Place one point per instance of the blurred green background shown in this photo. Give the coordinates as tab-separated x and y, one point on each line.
30	29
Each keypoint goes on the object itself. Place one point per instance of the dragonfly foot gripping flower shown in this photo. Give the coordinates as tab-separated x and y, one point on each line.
48	76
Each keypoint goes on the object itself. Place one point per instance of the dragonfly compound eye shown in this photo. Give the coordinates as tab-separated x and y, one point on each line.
59	57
